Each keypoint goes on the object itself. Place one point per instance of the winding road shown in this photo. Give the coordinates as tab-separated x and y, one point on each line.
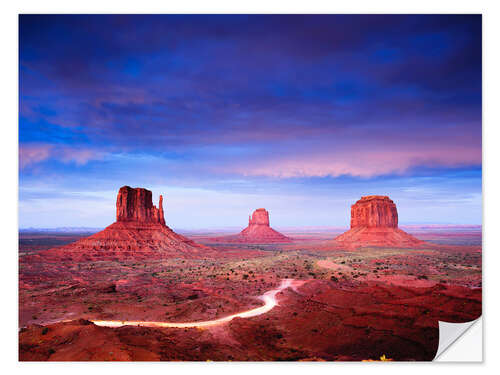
268	297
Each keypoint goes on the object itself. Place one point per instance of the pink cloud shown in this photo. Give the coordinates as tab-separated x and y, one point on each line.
78	156
33	154
358	162
36	153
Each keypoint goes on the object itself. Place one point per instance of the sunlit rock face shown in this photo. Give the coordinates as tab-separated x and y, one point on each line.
374	211
259	217
136	204
374	222
139	232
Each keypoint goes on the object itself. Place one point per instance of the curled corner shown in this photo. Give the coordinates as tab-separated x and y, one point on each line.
451	332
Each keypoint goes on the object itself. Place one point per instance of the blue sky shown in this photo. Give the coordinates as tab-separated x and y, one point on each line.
223	114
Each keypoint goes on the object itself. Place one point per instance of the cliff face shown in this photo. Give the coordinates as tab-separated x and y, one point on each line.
259	217
374	222
374	211
136	204
139	232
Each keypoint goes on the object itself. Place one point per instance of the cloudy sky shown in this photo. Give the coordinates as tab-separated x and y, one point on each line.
223	114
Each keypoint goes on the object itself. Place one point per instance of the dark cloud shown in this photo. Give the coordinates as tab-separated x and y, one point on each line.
194	99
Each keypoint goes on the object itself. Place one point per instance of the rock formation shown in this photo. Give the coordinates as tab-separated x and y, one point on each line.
139	232
374	211
374	222
259	217
137	205
258	231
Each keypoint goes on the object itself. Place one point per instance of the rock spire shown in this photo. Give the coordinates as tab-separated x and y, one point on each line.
139	232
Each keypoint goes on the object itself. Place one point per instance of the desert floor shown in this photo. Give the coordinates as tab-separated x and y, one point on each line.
346	304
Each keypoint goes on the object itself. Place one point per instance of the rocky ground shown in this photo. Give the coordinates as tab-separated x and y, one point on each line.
354	305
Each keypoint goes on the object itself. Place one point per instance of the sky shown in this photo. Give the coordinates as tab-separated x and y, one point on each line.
223	114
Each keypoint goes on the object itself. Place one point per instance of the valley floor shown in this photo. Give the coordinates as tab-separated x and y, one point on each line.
351	304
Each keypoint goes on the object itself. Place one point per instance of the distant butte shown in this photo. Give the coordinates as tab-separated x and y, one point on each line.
374	222
139	232
258	231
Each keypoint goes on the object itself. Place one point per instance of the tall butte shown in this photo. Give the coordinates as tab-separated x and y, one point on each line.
139	232
258	231
374	222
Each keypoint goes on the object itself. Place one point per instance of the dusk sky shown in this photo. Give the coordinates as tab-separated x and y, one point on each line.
223	114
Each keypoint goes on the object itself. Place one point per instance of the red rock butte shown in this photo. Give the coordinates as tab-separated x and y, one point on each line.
137	205
258	231
139	232
374	222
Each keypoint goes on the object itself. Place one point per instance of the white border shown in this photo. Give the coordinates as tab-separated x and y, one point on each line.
8	148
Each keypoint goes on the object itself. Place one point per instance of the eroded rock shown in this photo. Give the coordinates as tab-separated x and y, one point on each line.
139	232
374	222
258	231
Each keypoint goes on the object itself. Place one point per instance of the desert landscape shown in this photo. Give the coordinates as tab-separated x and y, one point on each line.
139	291
247	187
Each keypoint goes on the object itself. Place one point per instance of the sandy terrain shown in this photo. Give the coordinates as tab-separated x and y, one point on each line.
351	304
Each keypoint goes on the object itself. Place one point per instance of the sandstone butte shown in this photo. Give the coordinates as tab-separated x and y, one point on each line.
374	222
139	232
258	231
